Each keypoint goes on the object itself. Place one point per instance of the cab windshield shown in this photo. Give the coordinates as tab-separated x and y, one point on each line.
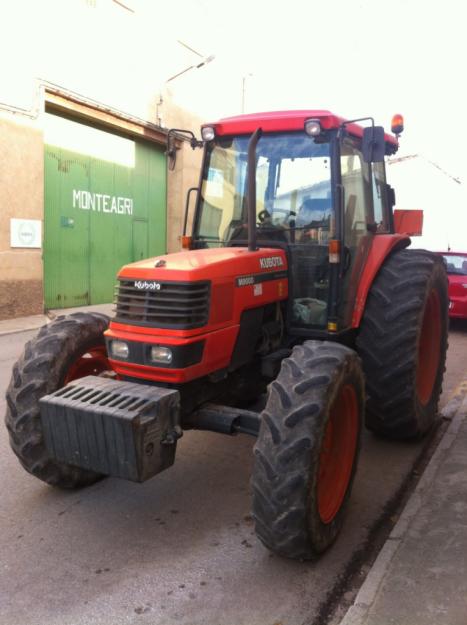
293	191
456	265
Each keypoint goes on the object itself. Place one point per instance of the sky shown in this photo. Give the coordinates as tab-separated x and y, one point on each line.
356	58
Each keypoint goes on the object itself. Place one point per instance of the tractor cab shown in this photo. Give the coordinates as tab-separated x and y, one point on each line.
320	194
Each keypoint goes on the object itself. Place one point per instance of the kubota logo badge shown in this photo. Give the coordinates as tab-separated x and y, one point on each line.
144	285
270	262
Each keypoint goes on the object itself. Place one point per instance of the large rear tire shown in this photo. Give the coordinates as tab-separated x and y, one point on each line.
307	449
68	348
403	341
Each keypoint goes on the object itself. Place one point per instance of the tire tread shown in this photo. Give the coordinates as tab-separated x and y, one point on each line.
388	343
39	371
281	474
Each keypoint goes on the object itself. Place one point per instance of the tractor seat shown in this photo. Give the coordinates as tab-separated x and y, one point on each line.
239	232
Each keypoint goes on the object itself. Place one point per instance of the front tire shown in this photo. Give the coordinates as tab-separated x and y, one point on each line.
403	342
307	449
66	349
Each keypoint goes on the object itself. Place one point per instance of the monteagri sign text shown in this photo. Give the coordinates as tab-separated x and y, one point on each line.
102	203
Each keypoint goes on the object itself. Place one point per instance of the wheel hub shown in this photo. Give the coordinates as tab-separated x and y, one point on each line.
92	361
337	453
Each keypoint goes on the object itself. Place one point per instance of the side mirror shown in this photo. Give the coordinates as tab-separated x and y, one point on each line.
408	222
373	144
172	147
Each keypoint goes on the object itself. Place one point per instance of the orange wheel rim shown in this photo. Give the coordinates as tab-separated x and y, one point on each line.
338	453
429	349
91	361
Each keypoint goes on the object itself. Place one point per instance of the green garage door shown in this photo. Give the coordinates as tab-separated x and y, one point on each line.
105	206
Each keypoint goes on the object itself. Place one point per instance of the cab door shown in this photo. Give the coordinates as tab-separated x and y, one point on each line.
358	223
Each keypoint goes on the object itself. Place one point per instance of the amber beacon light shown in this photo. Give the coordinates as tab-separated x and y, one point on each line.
397	124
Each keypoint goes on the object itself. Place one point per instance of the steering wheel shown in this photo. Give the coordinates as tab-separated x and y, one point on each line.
263	215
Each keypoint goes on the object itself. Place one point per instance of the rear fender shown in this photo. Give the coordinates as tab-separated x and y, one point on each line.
408	222
382	246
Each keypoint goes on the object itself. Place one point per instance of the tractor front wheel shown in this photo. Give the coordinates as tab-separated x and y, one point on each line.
307	449
68	348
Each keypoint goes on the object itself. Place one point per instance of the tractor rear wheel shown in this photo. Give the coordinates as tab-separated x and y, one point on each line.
307	449
70	347
403	343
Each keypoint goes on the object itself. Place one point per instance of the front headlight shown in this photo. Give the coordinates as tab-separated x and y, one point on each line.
119	349
161	354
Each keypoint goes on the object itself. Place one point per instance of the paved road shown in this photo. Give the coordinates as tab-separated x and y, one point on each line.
180	548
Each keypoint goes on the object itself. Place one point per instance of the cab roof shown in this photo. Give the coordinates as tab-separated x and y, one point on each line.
276	121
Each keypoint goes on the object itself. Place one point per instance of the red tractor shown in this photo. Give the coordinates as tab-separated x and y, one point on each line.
295	284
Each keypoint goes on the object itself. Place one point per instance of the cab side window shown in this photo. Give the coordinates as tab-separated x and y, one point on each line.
380	201
357	193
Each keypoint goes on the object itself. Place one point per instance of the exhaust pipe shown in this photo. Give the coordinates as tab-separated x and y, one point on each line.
251	194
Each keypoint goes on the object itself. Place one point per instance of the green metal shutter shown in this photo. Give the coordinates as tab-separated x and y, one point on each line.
105	206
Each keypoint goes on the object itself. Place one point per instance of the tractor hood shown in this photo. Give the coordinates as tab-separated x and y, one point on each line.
208	264
192	303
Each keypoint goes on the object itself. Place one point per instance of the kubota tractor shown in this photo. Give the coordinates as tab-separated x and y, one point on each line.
294	283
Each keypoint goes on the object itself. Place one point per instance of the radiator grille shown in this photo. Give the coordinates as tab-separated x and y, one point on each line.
181	305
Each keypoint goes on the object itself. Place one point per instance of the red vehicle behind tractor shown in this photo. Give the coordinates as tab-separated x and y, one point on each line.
294	284
456	267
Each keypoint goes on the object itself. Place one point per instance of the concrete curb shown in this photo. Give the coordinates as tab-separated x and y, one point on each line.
23	324
34	322
357	613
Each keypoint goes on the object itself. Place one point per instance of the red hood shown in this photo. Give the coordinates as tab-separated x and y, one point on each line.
206	264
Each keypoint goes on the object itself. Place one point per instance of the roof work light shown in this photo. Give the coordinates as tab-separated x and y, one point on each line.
312	127
208	133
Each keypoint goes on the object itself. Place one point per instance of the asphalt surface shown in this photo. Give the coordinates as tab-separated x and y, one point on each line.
180	548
